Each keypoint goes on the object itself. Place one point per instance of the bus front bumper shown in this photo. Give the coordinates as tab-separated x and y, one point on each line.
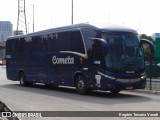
125	84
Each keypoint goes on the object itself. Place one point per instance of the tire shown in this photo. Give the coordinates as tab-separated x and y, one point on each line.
23	81
81	85
115	91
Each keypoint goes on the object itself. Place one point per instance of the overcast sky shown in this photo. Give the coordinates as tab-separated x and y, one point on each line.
141	15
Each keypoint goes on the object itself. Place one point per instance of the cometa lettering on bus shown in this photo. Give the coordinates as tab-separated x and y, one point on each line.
68	60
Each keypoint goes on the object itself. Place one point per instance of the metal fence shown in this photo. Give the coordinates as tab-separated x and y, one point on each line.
153	74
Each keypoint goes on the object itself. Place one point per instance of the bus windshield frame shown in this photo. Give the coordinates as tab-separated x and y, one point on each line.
125	53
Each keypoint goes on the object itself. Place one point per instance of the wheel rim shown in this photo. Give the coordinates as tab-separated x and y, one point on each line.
21	80
81	85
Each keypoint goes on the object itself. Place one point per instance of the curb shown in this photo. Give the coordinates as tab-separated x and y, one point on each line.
154	92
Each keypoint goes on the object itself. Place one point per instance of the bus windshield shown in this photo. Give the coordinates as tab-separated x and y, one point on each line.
125	53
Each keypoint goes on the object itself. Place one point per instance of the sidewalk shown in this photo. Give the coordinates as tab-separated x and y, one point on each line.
155	92
155	82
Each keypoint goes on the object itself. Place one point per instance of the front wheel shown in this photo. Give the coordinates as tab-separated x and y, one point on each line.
81	85
115	91
23	81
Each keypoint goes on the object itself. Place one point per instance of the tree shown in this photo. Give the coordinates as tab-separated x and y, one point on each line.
144	36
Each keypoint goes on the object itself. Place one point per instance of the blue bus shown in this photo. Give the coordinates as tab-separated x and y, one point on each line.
82	56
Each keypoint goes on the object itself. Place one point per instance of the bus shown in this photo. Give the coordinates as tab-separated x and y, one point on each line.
83	56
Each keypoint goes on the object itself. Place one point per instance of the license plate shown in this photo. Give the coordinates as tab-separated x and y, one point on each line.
129	88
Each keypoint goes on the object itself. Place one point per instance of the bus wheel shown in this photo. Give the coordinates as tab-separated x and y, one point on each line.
23	81
81	85
115	91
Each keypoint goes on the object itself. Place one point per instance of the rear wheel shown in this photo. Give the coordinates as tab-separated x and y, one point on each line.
23	81
81	85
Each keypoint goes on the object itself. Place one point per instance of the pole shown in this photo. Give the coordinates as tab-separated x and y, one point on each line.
108	19
25	16
33	16
72	13
150	71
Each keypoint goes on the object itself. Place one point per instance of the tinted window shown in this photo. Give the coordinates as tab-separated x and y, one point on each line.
13	46
51	42
77	42
38	44
27	44
50	45
17	45
69	41
22	45
87	34
61	45
10	46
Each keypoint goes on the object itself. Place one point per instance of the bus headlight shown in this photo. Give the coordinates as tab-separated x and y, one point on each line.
143	77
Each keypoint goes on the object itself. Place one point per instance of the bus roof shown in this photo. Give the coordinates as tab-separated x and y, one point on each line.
58	29
78	26
118	29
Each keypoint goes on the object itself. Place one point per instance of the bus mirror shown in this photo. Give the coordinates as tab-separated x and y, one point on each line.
144	43
99	40
102	42
148	47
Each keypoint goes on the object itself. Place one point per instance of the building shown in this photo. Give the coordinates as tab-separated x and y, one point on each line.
155	35
2	50
20	32
6	30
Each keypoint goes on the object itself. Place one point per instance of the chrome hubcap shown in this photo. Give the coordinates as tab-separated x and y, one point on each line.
81	84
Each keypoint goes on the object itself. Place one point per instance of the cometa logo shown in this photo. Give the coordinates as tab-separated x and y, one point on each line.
67	60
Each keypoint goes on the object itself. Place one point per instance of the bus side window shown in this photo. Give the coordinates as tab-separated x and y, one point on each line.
77	44
22	44
61	46
98	56
45	40
27	45
69	41
10	47
50	41
37	44
17	45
